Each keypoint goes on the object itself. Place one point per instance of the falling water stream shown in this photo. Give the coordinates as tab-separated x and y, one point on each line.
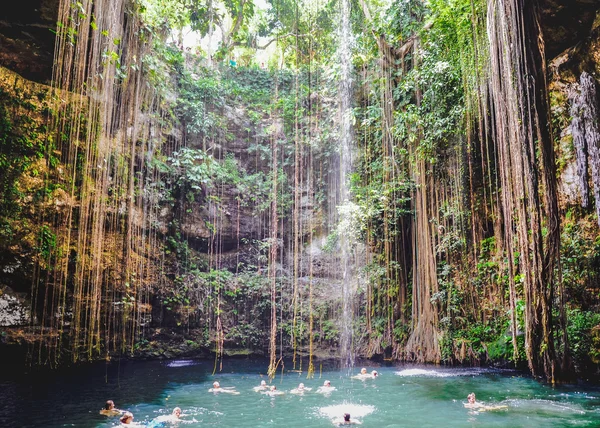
345	94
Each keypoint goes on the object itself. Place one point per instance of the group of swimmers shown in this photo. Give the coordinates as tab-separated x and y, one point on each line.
126	418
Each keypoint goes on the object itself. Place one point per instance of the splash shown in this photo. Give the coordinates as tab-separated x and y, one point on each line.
182	363
357	411
437	373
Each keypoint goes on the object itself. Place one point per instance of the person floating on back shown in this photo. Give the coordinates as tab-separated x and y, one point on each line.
263	386
473	404
217	388
110	410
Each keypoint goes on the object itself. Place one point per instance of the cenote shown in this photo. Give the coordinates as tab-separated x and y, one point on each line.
402	395
394	182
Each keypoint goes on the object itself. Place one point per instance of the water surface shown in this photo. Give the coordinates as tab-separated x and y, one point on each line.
404	395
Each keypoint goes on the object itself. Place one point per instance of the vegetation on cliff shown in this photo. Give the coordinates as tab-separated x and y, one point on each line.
156	187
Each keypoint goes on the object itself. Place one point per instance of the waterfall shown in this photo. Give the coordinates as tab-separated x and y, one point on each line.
345	166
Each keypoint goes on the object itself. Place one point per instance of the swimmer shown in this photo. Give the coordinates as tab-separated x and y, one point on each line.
346	421
217	388
362	375
274	391
127	418
374	374
326	388
175	416
263	386
109	409
300	390
474	405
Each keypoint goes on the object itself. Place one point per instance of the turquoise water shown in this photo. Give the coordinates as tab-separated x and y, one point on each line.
404	395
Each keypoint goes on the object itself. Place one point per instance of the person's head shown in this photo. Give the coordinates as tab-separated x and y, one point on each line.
109	405
177	412
216	384
471	397
374	373
301	386
273	387
327	383
346	417
263	383
127	418
363	371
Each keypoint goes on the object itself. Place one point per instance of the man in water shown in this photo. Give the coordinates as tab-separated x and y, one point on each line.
217	388
109	409
374	374
346	421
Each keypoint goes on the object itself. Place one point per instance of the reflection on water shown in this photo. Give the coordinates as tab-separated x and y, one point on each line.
400	396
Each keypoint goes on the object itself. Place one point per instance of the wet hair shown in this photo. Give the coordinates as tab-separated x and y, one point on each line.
176	409
109	405
347	417
126	416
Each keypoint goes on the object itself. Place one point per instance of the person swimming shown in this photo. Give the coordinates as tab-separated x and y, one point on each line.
262	387
127	418
301	389
274	391
218	388
473	404
346	421
326	387
159	421
110	410
362	375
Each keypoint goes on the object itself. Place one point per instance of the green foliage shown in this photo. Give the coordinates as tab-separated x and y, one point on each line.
247	335
583	332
